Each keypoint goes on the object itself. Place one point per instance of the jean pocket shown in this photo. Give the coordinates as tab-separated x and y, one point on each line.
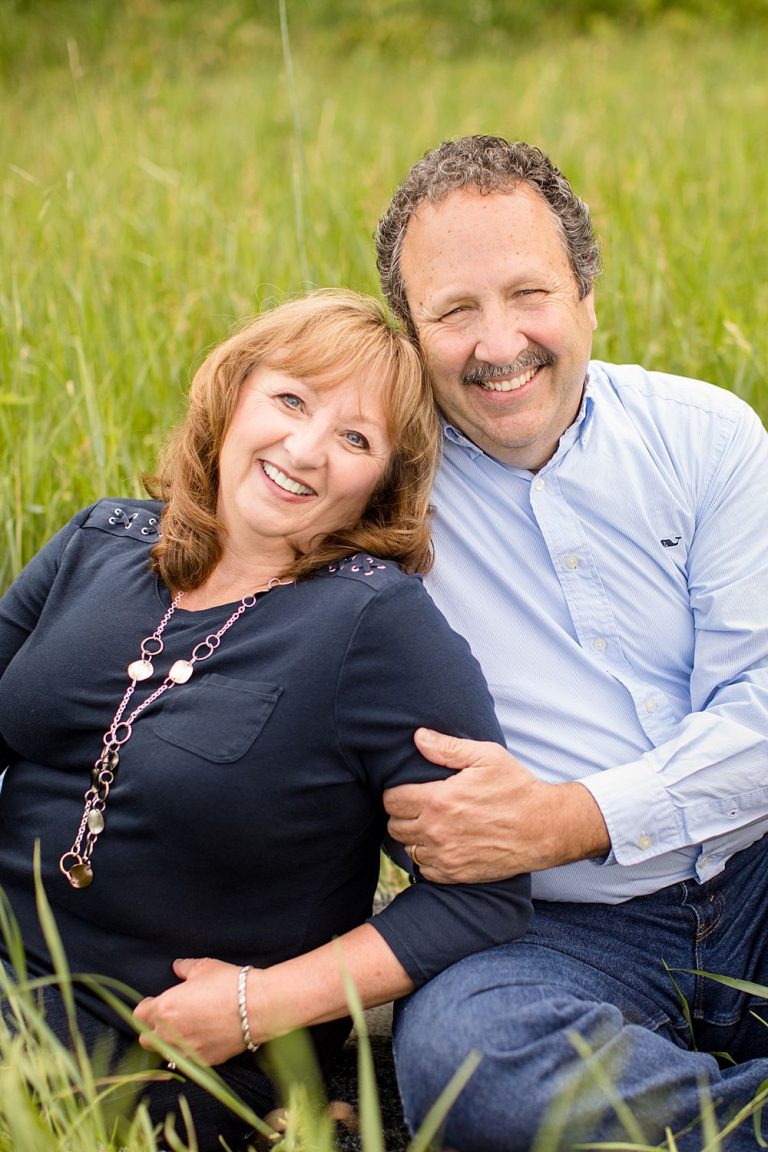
216	717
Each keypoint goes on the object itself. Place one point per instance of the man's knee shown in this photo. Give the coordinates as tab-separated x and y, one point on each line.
523	1034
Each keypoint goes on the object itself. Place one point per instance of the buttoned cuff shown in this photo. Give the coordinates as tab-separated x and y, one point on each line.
641	821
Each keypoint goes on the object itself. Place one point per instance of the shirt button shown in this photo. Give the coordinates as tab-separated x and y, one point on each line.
571	561
644	841
650	704
599	643
538	484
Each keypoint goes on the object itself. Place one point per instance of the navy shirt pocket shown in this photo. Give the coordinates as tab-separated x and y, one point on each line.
217	717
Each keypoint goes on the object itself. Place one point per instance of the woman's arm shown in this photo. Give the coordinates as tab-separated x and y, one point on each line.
403	668
406	669
201	1014
22	604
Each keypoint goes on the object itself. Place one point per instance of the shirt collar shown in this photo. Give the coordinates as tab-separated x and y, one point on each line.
579	431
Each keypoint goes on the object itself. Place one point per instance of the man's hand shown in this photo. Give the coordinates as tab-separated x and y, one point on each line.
494	818
200	1016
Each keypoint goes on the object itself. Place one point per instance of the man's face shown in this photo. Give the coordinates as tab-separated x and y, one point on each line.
498	315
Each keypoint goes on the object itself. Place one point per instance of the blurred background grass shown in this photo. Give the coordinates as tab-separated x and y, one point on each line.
166	169
164	172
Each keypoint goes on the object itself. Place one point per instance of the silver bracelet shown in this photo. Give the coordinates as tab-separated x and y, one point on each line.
242	1009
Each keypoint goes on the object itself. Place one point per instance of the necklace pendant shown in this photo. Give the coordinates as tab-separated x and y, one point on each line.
180	671
80	875
140	670
110	759
95	821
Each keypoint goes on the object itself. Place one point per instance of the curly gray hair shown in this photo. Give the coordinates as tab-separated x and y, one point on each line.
491	164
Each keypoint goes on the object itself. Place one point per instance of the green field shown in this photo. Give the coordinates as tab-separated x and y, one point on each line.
169	167
164	172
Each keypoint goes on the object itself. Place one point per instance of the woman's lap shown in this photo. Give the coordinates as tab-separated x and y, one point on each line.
114	1051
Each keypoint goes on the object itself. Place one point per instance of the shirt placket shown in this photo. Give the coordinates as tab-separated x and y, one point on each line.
588	601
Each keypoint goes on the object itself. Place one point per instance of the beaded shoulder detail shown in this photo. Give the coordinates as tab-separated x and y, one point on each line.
135	519
367	569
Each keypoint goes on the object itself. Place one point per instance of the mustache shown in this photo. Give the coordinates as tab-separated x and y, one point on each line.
479	371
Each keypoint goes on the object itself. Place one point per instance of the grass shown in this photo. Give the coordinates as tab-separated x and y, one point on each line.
56	1095
161	178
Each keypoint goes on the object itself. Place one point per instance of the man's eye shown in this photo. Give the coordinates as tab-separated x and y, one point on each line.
357	439
290	400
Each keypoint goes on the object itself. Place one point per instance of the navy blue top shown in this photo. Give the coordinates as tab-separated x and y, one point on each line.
246	816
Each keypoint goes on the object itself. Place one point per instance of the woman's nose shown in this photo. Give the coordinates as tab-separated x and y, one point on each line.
308	445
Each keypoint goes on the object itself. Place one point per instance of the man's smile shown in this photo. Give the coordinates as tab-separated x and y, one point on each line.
508	385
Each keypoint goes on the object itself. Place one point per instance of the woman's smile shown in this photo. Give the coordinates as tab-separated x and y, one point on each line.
288	484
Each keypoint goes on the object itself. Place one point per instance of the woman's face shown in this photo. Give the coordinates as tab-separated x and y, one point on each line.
301	458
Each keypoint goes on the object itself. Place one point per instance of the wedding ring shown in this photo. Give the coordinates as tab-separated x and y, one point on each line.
411	850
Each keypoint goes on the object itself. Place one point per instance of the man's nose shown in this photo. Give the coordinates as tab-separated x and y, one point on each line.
500	338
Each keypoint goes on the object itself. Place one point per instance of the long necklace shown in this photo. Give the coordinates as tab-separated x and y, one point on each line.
76	864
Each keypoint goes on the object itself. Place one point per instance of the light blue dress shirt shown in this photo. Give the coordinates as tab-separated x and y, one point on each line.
618	604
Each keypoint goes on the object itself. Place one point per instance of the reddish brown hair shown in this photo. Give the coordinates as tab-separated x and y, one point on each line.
330	334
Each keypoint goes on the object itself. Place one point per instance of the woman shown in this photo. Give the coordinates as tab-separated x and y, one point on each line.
204	695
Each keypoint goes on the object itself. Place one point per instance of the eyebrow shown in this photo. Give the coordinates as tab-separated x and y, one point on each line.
366	421
524	277
357	418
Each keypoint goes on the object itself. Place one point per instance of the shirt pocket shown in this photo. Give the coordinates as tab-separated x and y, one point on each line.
217	718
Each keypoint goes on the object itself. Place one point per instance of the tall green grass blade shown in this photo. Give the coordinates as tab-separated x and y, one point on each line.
594	1072
11	935
61	972
371	1133
750	1112
293	1068
671	1142
435	1117
298	166
684	1006
710	1134
748	986
10	399
201	1074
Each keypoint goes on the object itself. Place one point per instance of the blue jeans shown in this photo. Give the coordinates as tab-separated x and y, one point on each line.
598	971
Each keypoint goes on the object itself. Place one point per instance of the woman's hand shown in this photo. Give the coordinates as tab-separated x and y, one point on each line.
200	1016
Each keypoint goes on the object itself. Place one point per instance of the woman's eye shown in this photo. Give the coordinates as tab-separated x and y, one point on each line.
290	400
357	439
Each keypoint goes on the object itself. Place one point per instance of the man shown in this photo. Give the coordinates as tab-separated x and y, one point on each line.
601	538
